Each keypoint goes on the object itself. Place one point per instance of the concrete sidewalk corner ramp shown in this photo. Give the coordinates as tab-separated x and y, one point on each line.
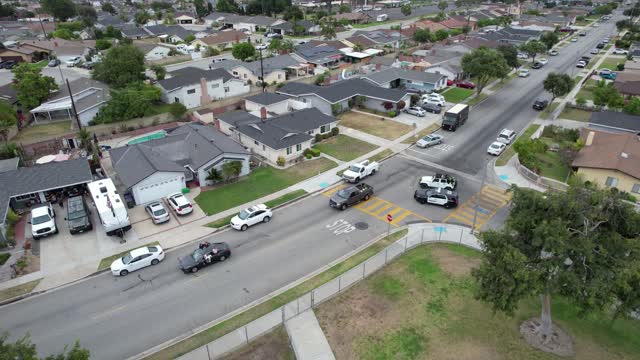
307	339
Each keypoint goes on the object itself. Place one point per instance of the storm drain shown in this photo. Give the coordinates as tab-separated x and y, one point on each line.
362	226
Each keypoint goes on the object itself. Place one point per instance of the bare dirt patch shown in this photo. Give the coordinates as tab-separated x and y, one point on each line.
453	263
273	345
559	343
387	129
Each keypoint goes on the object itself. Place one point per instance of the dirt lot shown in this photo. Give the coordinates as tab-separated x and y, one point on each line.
371	124
422	307
272	346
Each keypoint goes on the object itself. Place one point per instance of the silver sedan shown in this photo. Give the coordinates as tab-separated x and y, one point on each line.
157	212
429	140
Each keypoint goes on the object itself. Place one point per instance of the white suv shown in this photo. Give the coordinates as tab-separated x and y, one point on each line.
43	221
436	99
180	204
506	136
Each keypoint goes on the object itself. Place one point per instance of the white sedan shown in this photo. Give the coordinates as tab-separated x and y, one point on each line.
496	148
574	39
251	216
523	73
429	140
180	204
619	51
137	259
543	61
523	56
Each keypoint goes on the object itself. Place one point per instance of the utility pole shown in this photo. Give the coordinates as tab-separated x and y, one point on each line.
262	73
42	26
73	106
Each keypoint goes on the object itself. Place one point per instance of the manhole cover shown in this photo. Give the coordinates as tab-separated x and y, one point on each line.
362	226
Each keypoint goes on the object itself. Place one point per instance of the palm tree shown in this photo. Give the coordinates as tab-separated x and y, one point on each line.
85	139
213	175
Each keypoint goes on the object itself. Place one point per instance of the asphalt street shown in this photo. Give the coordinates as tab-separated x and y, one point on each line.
510	107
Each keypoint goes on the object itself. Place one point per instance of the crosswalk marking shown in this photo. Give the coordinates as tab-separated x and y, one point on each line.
481	207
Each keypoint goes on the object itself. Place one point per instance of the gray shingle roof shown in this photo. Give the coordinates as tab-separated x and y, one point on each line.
271	64
323	53
267	98
133	31
392	74
177	30
9	164
614	120
343	90
191	144
235	19
192	75
49	176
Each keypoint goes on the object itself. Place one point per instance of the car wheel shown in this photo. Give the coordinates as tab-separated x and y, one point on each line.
343	207
366	197
447	206
223	258
266	219
123	273
373	172
155	262
57	230
194	269
357	180
244	227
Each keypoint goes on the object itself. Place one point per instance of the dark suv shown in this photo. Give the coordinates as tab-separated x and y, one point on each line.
78	215
540	104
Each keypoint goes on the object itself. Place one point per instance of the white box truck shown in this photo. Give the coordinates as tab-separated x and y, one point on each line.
109	206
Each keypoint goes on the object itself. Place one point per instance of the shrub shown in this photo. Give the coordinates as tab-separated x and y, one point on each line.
620	66
335	131
391	113
308	155
12	217
400	105
306	152
315	152
280	161
387	105
318	137
177	110
581	101
123	128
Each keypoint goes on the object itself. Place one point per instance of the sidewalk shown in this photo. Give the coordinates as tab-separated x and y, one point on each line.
510	175
307	338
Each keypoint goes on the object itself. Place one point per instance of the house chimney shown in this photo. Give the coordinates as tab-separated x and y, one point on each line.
590	138
204	97
263	113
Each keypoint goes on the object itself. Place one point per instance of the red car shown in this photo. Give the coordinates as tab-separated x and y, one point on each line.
450	82
466	84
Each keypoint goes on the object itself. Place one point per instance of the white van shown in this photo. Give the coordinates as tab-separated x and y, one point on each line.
382	17
43	221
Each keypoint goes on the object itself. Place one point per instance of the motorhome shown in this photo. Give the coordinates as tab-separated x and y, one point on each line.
109	206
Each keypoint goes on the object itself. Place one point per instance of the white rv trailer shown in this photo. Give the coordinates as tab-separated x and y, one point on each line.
111	210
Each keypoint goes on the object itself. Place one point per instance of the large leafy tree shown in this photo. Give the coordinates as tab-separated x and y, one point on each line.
533	48
31	87
443	5
8	119
201	8
406	9
581	244
122	65
293	12
243	51
485	64
60	9
107	7
607	94
558	84
549	39
135	100
328	31
25	350
226	6
510	54
422	36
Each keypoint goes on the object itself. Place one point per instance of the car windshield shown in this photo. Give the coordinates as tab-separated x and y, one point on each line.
127	258
495	146
159	212
40	219
76	215
354	168
343	194
198	254
244	214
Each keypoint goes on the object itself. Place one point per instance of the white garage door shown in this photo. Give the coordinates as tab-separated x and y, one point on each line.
156	191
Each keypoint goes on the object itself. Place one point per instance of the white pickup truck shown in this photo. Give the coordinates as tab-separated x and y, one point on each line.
359	171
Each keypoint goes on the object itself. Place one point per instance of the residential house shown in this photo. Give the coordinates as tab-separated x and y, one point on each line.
533	25
318	55
19	53
354	17
89	96
160	167
131	31
195	87
383	37
304	27
359	40
275	69
464	20
393	78
446	60
632	66
610	160
62	49
185	18
169	33
341	96
271	137
105	20
614	121
628	83
240	22
510	35
634	50
453	23
221	39
274	103
151	51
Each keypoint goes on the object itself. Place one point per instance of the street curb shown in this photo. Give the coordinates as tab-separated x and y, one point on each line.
263	299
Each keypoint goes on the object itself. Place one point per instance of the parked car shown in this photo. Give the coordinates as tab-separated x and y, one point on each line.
53	63
274	36
446	198
450	82
496	148
416	110
553	52
581	64
351	195
506	136
361	170
606	40
432	108
74	61
523	73
585	58
157	212
607	74
180	204
438	181
523	56
137	259
537	65
433	98
543	61
584	33
600	46
89	65
465	84
251	216
205	255
78	215
574	39
429	140
262	47
43	221
540	104
619	51
9	64
595	51
596	25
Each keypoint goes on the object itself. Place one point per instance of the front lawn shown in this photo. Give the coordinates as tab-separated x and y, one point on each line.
592	62
344	148
261	182
551	166
586	91
370	124
40	132
477	99
457	95
422	133
611	63
550	109
575	114
18	290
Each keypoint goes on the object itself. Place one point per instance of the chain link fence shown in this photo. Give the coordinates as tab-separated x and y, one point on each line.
418	234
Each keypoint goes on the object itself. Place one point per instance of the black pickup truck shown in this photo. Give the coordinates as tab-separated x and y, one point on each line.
351	195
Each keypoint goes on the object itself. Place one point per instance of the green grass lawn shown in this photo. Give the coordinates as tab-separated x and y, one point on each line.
477	99
551	166
106	262
270	204
261	182
4	257
587	90
344	148
593	61
575	114
550	109
610	63
422	133
18	290
39	132
457	95
509	152
251	314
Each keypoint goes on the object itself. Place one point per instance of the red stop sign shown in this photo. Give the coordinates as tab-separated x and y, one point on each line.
389	218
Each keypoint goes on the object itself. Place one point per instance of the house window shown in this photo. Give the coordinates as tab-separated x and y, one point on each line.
175	99
299	147
636	188
611	181
289	150
226	89
325	128
235	73
215	86
192	91
310	132
255	142
279	76
304	100
244	76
